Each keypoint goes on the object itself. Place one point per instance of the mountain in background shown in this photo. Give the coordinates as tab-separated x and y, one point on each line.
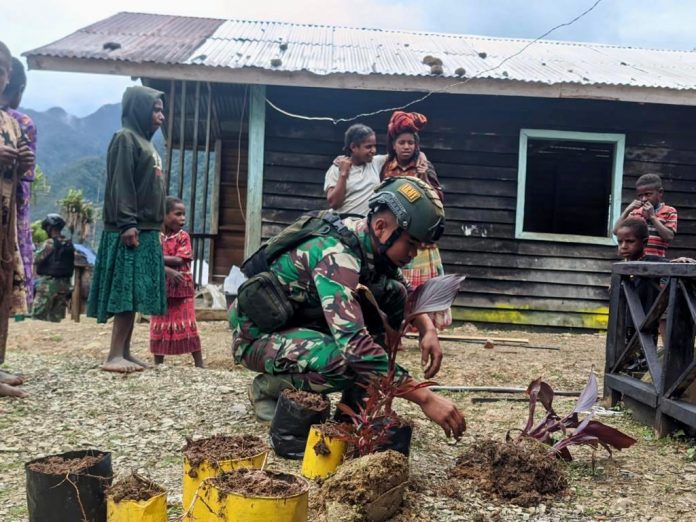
72	153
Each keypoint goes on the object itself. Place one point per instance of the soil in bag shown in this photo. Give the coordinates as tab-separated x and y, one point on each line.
294	416
70	486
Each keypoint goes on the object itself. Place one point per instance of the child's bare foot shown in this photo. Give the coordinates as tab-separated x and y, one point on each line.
11	379
10	391
129	357
121	365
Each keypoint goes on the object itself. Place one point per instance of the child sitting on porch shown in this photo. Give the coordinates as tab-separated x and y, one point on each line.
660	218
55	262
177	332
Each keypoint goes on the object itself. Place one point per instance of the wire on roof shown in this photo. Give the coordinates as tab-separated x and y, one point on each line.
444	89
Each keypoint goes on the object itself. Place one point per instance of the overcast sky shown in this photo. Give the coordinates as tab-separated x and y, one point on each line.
637	23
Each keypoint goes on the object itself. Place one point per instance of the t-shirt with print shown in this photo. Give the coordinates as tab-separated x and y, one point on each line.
668	217
361	183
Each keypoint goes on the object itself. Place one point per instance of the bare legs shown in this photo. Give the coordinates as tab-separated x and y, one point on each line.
120	359
197	359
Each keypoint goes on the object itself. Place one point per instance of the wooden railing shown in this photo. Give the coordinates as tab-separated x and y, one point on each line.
652	384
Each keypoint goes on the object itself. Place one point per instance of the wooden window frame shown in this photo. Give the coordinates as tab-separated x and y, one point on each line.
614	210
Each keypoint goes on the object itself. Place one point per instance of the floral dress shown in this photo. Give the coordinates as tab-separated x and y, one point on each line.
177	332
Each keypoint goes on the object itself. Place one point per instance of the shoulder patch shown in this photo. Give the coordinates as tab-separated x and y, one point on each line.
409	192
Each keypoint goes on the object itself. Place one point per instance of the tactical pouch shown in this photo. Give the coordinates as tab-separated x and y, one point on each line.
263	299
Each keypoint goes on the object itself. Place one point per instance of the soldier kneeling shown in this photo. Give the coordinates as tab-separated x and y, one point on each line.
298	322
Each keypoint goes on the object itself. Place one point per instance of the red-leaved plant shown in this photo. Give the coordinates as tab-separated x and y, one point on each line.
371	425
574	432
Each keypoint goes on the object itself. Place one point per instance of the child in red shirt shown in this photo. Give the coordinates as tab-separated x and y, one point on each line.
660	217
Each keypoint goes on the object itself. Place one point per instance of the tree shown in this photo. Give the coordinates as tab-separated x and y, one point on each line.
79	213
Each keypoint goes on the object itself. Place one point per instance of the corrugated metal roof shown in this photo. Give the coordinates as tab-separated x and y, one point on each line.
135	37
325	50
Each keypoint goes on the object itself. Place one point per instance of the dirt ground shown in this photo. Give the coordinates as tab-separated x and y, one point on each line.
144	419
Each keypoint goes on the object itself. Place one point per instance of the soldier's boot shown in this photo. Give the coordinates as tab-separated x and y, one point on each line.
352	397
264	391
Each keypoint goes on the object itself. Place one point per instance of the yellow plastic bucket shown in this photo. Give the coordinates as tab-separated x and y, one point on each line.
321	466
195	475
234	507
152	510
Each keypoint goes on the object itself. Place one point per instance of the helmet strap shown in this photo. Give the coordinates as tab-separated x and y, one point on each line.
383	247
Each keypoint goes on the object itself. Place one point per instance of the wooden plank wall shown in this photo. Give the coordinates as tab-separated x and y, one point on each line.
473	142
229	242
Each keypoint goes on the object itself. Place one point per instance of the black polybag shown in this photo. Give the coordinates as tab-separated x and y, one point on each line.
399	440
70	497
290	427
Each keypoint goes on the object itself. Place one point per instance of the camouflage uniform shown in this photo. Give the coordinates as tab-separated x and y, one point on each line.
333	353
51	293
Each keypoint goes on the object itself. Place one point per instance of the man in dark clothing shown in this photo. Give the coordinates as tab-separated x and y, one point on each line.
54	267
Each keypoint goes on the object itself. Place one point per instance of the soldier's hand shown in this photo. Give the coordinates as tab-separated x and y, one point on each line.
431	353
130	238
443	412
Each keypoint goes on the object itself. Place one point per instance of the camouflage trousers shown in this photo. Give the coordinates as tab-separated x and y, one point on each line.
310	359
51	298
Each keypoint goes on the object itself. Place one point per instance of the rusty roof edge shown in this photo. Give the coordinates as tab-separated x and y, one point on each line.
262	76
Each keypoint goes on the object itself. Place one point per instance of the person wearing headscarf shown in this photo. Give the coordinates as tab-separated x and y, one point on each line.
404	158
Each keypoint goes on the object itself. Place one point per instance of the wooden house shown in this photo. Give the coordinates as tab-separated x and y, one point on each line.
537	144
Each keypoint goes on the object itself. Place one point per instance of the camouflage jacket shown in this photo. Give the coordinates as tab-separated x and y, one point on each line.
324	272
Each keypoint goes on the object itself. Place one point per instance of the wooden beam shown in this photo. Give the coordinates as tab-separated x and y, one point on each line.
379	82
170	131
182	141
498	389
651	269
466	338
254	202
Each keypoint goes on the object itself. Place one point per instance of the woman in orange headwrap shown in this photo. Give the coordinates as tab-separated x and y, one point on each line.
405	159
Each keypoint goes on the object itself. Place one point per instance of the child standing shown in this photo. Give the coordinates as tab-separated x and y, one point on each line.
129	272
55	262
352	179
660	217
176	333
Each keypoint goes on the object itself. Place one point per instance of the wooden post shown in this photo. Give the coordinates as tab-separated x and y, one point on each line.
170	132
76	298
254	202
182	141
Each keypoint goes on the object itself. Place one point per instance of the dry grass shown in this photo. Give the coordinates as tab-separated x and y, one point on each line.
143	420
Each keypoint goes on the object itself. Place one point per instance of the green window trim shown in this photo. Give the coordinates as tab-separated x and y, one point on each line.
614	210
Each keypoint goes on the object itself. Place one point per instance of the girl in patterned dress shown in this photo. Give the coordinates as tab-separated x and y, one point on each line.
176	333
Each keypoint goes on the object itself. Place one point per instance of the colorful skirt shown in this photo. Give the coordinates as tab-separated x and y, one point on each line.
426	265
175	333
128	279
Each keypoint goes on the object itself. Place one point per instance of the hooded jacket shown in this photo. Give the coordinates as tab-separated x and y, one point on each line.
135	193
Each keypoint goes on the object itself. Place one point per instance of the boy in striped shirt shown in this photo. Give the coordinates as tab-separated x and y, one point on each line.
660	217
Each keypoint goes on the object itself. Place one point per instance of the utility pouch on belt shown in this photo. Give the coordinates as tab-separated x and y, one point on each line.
263	299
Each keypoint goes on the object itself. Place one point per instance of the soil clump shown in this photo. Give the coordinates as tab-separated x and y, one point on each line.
311	401
259	483
135	488
370	484
63	466
219	448
522	473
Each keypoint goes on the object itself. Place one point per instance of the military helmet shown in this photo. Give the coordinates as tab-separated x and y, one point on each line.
415	204
53	221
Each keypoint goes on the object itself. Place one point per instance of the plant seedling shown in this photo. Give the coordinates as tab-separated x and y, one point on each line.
371	425
572	430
